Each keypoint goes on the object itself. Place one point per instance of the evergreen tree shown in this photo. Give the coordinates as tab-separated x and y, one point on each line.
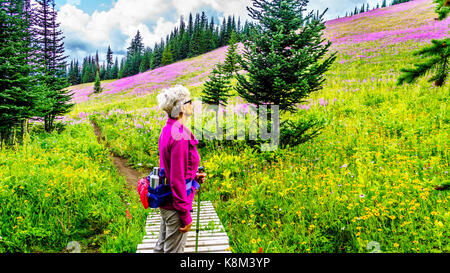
167	57
115	70
384	4
196	39
145	63
442	8
97	84
284	64
73	76
190	28
184	48
137	46
231	63
109	63
223	32
18	90
216	91
50	56
437	54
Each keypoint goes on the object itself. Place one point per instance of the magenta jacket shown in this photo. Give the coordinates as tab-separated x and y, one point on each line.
179	157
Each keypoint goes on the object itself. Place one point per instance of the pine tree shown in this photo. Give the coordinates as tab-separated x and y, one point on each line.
48	38
384	4
145	63
223	32
137	46
438	54
167	56
72	76
286	58
231	63
284	65
196	39
109	63
18	90
216	91
115	70
97	84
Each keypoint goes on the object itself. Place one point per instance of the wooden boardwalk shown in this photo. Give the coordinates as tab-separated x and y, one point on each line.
212	236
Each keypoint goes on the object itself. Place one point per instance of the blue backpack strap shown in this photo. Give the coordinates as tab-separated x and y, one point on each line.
189	184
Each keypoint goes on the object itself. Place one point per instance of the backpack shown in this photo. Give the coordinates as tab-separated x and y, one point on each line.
154	195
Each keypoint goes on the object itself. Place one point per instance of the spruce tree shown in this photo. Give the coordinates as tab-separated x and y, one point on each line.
115	70
51	60
18	89
195	45
109	63
97	84
216	91
167	56
285	58
145	62
231	63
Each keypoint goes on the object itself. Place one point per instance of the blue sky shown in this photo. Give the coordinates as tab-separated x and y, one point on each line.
88	5
91	25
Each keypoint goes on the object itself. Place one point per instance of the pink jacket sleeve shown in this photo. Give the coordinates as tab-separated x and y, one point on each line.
179	163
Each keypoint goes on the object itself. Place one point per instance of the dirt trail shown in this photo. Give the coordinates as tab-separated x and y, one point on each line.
132	175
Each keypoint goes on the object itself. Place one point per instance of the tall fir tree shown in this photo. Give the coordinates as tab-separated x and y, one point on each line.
18	89
286	57
216	91
231	63
97	84
115	70
167	57
109	63
48	38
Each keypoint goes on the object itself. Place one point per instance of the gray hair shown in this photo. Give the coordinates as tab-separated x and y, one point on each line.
170	100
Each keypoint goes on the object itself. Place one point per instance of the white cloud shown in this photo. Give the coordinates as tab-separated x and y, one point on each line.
125	17
154	19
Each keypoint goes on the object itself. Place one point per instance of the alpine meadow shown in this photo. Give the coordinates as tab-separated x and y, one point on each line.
363	159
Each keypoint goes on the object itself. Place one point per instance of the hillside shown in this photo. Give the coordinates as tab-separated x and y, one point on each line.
363	36
368	179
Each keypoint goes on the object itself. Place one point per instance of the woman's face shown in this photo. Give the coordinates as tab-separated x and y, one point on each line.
187	108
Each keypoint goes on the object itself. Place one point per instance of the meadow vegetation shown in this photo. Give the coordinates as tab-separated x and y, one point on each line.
368	177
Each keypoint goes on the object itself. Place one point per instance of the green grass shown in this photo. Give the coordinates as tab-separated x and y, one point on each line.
58	188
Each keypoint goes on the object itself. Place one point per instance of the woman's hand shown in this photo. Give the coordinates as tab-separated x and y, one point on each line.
200	178
186	228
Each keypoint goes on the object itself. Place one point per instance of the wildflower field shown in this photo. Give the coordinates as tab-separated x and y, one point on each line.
367	180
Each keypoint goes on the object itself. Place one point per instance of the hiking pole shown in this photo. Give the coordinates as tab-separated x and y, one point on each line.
197	230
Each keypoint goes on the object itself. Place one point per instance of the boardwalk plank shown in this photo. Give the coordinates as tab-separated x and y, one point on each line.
209	241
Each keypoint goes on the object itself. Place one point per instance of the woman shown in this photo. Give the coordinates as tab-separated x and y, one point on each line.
180	159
